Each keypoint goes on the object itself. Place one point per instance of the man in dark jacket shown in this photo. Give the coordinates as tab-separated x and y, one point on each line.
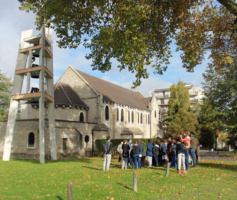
193	147
107	149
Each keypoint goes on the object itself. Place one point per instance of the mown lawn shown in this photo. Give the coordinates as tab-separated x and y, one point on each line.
27	179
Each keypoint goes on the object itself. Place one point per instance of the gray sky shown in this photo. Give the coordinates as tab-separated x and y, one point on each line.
13	21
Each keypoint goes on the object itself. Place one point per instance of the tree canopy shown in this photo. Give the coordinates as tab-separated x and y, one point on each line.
139	33
5	92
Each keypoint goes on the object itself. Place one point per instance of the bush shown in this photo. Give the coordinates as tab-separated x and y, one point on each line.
99	144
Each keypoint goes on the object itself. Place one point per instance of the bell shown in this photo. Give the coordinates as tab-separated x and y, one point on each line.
36	53
35	74
34	99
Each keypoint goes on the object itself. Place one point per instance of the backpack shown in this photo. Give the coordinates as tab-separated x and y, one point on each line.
183	147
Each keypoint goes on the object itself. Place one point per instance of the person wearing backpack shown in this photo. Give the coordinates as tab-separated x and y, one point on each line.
173	153
155	152
180	154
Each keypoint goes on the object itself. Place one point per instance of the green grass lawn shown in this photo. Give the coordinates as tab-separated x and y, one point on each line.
27	179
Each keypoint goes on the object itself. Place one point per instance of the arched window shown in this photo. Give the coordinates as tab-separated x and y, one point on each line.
128	116
87	138
31	140
81	117
149	119
155	113
122	116
146	120
141	118
138	118
117	114
132	117
106	113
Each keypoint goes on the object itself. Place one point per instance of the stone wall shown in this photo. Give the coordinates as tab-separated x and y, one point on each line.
70	139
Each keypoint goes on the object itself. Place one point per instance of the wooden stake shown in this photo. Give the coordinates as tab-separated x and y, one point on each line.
69	191
168	169
135	181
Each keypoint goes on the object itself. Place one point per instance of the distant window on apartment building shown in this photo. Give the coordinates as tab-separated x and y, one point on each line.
162	101
107	113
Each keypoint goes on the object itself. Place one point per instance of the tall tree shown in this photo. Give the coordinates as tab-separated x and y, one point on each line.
183	121
179	98
136	31
221	91
5	92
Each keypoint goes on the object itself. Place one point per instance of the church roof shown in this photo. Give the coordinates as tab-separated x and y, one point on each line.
115	93
64	95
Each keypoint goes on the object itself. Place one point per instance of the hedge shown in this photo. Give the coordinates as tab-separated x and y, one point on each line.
99	144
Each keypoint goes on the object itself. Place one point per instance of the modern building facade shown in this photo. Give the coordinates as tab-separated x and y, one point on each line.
162	95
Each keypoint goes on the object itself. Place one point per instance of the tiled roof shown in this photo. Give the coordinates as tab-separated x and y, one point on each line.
115	93
65	95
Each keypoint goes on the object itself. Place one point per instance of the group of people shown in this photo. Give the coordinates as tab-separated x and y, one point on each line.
159	153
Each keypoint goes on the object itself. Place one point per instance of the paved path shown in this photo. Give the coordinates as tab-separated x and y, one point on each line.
214	155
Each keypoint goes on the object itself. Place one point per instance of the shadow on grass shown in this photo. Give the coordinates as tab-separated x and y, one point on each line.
125	186
59	198
94	168
218	166
36	161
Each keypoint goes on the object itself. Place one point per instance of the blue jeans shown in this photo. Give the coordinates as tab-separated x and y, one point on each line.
137	161
187	158
173	161
192	153
156	160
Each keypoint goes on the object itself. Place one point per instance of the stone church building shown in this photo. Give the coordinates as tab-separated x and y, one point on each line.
86	108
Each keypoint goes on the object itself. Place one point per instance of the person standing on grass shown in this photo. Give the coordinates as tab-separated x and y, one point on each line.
120	151
180	154
173	153
142	154
198	153
136	151
149	152
168	149
186	140
193	147
130	157
164	152
125	155
155	152
107	149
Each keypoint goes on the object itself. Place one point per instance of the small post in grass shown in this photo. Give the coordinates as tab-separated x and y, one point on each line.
168	169
135	181
69	191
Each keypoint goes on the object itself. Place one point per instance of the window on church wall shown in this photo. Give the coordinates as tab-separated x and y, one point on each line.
107	113
132	117
128	116
155	113
31	140
117	114
149	119
122	116
141	118
146	120
138	118
81	117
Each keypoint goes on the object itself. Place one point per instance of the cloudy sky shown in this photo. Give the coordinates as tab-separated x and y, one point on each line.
13	21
